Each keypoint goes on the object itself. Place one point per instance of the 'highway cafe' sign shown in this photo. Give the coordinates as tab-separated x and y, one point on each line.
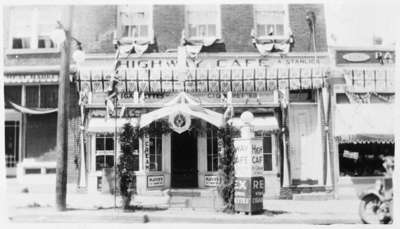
211	61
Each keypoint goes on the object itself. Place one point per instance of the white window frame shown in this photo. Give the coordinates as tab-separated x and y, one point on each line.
217	25
103	152
285	23
213	135
273	152
147	9
34	35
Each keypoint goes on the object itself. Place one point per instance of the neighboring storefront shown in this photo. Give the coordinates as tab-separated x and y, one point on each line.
31	116
193	99
363	116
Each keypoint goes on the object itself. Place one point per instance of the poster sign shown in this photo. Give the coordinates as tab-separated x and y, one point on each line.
249	193
146	142
211	180
155	181
249	157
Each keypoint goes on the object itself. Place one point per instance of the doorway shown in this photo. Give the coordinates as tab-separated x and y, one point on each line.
184	160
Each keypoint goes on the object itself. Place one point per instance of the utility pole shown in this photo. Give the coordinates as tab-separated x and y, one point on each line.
62	115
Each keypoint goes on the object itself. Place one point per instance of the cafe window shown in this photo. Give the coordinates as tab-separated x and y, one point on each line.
136	21
361	160
156	150
13	94
30	27
212	149
41	96
104	151
203	21
271	20
267	150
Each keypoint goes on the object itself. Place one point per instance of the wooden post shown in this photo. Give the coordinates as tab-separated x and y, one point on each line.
62	116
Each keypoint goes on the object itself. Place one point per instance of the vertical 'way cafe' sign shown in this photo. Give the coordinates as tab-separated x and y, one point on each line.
249	167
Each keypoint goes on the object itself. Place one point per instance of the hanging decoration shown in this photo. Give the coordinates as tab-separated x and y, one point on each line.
229	112
269	45
385	98
193	47
358	97
311	19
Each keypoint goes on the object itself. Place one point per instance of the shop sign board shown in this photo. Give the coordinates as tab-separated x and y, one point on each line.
211	180
154	181
249	157
30	78
377	56
249	193
249	167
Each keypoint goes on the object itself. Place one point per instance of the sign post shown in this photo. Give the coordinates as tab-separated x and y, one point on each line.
249	184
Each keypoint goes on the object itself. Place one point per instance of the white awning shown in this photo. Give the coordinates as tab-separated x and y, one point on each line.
364	123
268	123
101	125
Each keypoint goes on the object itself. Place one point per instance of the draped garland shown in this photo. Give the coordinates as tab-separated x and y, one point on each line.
226	187
364	98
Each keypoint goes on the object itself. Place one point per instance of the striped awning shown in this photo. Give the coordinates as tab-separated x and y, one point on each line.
364	123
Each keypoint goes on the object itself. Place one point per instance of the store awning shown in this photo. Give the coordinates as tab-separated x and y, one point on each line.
101	125
269	123
27	110
364	123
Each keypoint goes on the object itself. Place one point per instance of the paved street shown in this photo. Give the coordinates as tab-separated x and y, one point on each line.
38	206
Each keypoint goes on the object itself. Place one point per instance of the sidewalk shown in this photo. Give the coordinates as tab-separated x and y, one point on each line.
39	207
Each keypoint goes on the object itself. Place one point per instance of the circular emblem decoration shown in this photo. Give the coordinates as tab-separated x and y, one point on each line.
179	122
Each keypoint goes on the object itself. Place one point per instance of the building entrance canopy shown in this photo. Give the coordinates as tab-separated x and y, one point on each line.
185	104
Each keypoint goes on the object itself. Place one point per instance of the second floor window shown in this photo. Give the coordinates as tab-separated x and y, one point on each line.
203	21
271	20
136	22
30	27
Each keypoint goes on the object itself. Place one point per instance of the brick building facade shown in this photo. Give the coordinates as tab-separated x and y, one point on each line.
298	76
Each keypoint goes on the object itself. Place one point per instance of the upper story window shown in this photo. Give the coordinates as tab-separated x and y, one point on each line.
41	96
271	20
30	27
203	21
136	22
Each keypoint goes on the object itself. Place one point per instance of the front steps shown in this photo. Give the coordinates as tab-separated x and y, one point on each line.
307	192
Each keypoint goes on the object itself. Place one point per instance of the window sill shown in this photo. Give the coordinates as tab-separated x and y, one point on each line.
31	51
275	38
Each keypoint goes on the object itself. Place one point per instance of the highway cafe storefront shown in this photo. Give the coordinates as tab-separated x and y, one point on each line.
364	116
193	98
